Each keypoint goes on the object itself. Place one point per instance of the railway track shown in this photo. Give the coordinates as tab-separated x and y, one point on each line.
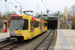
31	43
5	45
4	42
11	45
44	45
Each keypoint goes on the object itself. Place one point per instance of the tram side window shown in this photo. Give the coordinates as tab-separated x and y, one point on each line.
45	24
25	24
36	24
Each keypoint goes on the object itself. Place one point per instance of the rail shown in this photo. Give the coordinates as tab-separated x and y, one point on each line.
46	48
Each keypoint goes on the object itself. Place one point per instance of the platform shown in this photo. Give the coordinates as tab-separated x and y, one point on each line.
65	39
4	36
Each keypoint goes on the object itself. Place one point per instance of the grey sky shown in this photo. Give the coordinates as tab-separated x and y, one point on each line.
55	5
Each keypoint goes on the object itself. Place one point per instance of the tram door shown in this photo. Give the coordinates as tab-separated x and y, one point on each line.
41	26
31	28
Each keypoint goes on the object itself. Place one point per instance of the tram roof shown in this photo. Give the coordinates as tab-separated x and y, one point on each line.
52	15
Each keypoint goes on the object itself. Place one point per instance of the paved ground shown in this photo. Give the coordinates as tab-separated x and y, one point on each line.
65	40
3	36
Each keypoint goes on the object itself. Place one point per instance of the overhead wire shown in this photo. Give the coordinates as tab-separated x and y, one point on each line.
11	3
14	4
44	4
47	4
23	5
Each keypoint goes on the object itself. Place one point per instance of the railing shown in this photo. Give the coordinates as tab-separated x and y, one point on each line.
70	25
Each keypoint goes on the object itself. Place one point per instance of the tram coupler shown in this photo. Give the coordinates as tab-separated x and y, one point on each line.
13	39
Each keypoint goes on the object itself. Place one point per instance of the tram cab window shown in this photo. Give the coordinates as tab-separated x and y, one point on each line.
25	24
16	24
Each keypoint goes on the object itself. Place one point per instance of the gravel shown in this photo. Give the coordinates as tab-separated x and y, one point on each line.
33	42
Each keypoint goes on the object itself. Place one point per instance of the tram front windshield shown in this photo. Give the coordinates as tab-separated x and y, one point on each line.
16	24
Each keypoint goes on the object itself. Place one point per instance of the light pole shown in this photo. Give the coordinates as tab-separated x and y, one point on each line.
16	9
5	8
21	10
38	9
58	20
7	11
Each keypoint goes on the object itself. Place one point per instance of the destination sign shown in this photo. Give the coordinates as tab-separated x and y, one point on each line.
16	17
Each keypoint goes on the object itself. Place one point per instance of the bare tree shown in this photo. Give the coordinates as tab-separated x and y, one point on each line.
72	10
0	14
